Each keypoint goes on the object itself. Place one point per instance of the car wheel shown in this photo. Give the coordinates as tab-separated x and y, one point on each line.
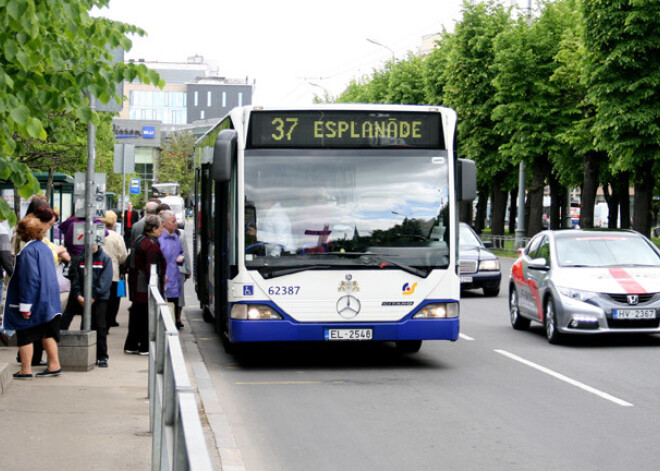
550	322
408	346
517	321
491	292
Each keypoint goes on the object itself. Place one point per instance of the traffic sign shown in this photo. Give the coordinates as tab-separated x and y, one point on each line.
135	186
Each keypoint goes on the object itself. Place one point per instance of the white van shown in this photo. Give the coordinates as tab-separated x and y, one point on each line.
601	215
178	208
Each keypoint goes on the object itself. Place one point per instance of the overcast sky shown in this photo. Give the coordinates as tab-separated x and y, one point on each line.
293	49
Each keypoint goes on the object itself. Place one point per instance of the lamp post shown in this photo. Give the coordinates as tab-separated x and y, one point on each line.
383	45
520	220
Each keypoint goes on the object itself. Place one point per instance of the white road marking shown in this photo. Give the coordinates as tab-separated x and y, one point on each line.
465	337
566	379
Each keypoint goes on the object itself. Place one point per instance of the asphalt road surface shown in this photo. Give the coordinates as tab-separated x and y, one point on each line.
497	399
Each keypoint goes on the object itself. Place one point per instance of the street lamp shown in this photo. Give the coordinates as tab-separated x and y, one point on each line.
520	223
382	45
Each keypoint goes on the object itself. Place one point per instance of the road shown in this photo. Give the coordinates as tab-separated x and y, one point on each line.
496	399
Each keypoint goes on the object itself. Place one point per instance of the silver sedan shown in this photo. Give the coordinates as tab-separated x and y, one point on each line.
586	282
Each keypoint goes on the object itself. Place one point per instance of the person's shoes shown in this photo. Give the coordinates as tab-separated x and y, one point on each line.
143	353
179	325
47	372
131	352
102	363
18	375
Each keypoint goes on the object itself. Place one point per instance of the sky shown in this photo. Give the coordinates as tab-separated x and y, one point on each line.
291	49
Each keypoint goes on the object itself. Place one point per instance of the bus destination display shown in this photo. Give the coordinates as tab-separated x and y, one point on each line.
345	129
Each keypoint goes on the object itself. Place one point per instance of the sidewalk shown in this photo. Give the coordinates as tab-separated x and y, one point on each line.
97	419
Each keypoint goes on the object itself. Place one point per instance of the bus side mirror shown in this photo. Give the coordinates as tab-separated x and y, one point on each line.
467	180
224	151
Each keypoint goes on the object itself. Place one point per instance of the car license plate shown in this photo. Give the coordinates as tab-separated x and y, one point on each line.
349	334
466	279
633	313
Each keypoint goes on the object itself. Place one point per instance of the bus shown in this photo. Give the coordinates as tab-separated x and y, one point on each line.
165	189
330	223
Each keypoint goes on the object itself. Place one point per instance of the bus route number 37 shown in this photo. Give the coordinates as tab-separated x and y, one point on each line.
283	290
284	128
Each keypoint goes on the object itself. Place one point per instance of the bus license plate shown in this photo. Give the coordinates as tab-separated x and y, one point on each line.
349	334
634	313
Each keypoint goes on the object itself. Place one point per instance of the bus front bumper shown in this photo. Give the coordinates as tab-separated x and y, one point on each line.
289	331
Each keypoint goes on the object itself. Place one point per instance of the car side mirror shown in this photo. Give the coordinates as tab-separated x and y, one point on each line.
538	264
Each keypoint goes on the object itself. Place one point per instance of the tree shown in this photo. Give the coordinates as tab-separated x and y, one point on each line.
53	53
622	42
470	91
175	162
406	85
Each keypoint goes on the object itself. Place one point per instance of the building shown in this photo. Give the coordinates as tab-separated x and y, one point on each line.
194	98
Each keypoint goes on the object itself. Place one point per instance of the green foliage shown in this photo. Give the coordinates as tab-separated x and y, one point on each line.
175	162
406	82
52	52
622	40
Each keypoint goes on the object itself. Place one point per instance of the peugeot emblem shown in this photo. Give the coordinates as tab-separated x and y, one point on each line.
632	298
348	306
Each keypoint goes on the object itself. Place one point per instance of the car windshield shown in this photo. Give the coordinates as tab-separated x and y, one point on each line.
306	208
467	237
605	250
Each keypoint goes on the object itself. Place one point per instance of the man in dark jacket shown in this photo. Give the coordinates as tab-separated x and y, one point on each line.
101	282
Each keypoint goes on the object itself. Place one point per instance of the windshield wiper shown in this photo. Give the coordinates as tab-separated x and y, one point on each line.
384	260
270	272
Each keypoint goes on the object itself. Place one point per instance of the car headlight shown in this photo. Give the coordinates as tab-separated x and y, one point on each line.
577	294
253	312
437	311
489	265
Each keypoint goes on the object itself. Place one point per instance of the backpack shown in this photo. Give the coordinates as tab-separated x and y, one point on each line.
129	263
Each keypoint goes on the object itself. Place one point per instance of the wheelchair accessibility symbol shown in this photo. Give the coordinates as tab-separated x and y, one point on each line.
248	290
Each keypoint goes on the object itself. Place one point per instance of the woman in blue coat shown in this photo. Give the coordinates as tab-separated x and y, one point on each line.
32	306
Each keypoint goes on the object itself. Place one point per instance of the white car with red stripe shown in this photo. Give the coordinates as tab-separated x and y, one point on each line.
587	282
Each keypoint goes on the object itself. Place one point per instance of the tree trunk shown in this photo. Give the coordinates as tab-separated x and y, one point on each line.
592	160
513	208
497	213
643	207
556	197
482	210
49	185
623	196
535	196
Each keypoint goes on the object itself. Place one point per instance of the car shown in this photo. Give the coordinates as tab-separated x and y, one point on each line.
479	267
593	281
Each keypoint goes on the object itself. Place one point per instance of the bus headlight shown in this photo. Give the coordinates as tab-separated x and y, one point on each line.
437	311
253	312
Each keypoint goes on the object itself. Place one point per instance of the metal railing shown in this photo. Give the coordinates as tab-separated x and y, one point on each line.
505	243
178	441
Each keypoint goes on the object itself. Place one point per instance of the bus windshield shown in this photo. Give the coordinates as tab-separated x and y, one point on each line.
325	208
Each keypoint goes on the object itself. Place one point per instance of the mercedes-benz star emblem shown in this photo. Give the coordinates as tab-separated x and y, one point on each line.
348	306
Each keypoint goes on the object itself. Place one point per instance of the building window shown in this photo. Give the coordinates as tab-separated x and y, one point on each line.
208	99
201	114
224	99
196	98
240	98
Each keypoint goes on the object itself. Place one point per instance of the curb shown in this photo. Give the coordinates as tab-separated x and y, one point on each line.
230	454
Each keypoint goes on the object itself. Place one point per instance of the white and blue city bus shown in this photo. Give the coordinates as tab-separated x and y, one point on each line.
330	223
